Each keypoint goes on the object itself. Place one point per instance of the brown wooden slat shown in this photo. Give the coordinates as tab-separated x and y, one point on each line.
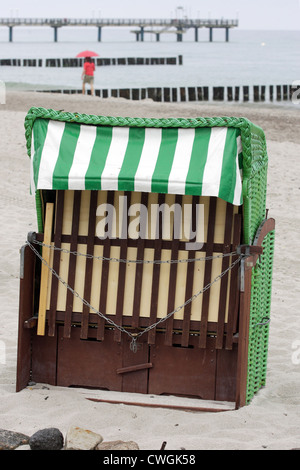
26	310
122	269
60	197
134	368
224	280
144	322
189	282
72	263
155	276
172	282
104	276
139	267
89	264
234	288
131	243
207	273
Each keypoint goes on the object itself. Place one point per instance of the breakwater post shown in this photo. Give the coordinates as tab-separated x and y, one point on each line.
100	61
197	93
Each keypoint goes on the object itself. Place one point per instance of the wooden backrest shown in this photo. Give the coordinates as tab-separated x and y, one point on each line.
136	295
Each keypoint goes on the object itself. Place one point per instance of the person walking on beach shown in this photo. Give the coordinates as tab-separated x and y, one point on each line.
88	74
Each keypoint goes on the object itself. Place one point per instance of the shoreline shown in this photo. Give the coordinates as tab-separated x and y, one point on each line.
267	116
138	94
271	421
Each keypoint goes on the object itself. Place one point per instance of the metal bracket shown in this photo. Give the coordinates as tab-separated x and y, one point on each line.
242	275
249	250
22	261
31	237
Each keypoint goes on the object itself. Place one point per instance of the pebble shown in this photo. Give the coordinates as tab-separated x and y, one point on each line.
77	438
82	439
10	440
117	445
47	439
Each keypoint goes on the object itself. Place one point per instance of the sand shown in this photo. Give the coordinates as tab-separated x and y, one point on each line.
272	420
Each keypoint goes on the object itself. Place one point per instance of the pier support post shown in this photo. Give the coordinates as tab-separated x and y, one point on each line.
179	34
99	33
142	34
227	34
55	33
196	34
10	33
210	34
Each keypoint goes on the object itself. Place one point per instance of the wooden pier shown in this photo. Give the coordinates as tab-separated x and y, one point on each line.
157	26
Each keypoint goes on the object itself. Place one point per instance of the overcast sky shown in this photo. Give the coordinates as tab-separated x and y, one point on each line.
252	14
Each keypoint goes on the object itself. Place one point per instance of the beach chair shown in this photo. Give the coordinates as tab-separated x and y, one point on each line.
151	269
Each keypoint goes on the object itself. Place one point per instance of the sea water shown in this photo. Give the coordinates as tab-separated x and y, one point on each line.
249	58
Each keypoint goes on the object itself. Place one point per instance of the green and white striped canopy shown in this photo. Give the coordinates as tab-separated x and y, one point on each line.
196	161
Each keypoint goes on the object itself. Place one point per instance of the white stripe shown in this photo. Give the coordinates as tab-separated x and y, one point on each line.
239	144
213	167
146	167
115	157
50	154
82	156
32	185
238	184
181	162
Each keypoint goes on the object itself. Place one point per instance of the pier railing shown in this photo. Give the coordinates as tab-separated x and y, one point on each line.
200	23
179	26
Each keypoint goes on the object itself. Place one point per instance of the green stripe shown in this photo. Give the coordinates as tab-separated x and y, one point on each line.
39	135
198	160
241	160
228	174
98	158
64	162
131	159
160	177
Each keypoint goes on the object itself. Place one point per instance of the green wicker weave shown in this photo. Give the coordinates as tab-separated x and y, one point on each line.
261	288
254	165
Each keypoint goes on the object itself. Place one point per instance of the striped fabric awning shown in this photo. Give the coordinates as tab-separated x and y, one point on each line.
195	161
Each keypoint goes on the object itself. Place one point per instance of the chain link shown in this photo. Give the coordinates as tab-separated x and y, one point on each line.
134	336
137	261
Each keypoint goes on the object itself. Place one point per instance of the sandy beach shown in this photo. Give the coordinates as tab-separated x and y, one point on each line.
272	420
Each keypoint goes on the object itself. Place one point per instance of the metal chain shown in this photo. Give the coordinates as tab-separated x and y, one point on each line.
133	336
137	261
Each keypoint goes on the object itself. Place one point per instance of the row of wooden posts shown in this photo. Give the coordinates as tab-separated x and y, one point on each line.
100	61
203	93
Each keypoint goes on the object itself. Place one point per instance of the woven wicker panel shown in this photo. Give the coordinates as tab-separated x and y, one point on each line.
261	290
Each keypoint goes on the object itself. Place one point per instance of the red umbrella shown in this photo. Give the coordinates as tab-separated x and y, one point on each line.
87	54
